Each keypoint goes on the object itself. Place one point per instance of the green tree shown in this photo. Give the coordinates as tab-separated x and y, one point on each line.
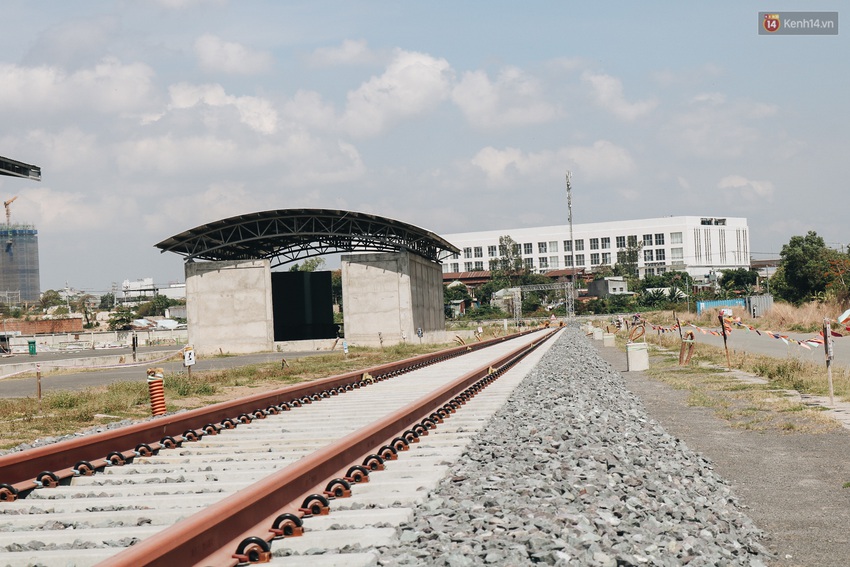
336	287
309	265
509	265
107	301
156	306
740	280
121	319
455	292
50	298
804	268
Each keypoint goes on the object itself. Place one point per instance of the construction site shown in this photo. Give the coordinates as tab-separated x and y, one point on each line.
19	272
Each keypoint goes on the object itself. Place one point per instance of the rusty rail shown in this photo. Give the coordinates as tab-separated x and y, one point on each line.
240	528
53	464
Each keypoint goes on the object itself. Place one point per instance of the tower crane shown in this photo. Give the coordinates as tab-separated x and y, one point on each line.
9	211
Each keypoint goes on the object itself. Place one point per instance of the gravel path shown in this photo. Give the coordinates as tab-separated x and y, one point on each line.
573	472
791	483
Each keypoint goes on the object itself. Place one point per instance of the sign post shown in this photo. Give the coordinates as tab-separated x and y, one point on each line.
828	351
189	358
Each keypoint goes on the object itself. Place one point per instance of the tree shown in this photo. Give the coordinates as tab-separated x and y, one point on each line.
309	265
50	298
121	320
336	287
740	280
509	265
807	269
107	301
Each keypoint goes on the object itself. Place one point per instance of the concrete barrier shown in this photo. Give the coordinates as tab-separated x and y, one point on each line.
608	339
637	357
597	334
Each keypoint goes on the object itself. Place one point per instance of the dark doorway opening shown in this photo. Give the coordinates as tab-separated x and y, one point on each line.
302	306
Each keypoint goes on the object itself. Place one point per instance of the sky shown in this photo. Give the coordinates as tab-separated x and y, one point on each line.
151	117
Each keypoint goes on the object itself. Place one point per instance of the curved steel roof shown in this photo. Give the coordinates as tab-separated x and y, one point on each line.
288	235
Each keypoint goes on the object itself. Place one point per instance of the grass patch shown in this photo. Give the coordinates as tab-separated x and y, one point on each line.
751	406
66	411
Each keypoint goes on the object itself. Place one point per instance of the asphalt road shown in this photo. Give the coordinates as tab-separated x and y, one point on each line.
22	387
748	341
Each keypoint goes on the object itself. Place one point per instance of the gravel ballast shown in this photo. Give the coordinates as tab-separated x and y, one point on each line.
572	471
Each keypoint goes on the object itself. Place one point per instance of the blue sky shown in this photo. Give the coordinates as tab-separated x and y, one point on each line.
152	117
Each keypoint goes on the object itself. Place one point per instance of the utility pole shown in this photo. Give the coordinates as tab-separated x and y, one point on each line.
570	299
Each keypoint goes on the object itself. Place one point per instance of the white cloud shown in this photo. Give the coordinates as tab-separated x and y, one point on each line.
514	98
256	113
602	161
350	52
607	92
183	4
738	188
713	127
412	83
215	54
67	212
108	87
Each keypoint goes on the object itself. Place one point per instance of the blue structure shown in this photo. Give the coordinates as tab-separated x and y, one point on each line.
702	305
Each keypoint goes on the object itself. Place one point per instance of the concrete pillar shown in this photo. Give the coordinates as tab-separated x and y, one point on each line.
229	306
389	296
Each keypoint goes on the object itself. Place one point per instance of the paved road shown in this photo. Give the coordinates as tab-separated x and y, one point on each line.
23	387
749	341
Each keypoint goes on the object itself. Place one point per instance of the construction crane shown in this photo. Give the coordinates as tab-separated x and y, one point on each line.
9	211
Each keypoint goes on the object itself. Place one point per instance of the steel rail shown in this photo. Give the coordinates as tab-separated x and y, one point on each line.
239	528
56	463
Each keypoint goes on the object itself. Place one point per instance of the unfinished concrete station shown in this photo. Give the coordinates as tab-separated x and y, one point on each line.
392	284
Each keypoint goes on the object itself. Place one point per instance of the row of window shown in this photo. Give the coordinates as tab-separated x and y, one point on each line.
596	259
551	247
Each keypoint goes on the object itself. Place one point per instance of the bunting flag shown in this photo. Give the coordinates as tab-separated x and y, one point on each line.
844	318
807	344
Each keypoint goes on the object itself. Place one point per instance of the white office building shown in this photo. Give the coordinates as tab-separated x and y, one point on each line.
701	246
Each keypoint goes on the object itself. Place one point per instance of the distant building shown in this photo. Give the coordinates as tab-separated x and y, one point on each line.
697	245
142	290
19	274
605	287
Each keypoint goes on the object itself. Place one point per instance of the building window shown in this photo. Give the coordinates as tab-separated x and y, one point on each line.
491	251
528	263
621	242
675	238
676	254
647	255
515	248
659	239
621	257
553	246
594	259
467	266
650	271
594	244
606	258
493	265
647	240
479	266
467	252
579	245
553	262
544	263
633	240
568	261
541	248
455	267
579	259
568	246
455	256
606	243
527	249
659	254
479	252
661	271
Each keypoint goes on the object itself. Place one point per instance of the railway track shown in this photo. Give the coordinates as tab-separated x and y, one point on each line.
243	480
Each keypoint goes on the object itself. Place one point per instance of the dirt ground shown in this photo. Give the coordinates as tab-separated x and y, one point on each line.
792	484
